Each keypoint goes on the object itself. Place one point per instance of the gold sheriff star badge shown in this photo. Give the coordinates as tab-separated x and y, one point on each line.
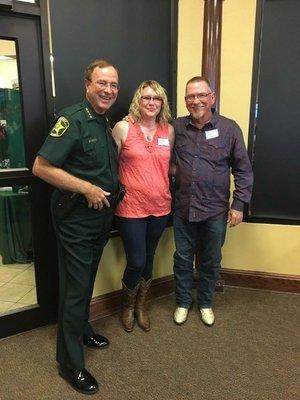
62	124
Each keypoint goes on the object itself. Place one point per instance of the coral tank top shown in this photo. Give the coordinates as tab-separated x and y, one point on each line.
143	170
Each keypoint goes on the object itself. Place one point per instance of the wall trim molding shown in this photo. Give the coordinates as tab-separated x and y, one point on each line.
110	303
261	280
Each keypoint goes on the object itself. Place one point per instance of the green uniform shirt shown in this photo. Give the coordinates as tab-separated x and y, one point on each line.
81	143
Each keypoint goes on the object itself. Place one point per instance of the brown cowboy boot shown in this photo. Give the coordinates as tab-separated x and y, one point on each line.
140	305
127	316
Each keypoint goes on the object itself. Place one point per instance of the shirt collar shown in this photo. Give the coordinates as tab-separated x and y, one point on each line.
89	112
209	124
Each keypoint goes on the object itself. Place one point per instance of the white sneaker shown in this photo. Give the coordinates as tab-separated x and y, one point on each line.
207	316
180	315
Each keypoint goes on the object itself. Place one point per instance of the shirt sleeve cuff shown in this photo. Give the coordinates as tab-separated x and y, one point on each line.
237	205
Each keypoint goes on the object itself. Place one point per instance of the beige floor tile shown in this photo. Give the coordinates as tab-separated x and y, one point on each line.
13	292
29	298
8	273
5	305
26	277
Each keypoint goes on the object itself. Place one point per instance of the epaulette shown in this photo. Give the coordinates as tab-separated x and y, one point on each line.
71	110
62	120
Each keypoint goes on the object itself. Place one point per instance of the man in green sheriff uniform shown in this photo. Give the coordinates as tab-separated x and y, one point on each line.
79	156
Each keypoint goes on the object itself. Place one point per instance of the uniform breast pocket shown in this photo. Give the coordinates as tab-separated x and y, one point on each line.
214	150
181	148
93	151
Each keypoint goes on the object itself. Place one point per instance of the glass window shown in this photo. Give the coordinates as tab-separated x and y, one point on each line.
17	275
12	152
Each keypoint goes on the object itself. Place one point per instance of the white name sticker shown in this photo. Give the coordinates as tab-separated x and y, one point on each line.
212	134
163	142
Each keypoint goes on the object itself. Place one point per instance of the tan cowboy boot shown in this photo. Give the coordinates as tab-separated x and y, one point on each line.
127	316
140	305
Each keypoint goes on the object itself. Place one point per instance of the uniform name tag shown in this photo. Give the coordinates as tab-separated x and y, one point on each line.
212	134
163	142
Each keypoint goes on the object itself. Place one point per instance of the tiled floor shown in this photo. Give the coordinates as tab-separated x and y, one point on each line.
17	286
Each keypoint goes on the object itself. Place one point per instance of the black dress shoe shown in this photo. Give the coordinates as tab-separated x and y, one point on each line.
81	380
95	341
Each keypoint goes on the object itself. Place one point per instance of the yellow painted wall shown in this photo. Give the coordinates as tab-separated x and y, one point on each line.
257	247
190	34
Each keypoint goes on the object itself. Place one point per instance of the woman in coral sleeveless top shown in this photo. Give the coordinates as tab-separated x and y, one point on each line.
144	157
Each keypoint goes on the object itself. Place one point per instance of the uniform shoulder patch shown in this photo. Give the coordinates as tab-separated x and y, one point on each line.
62	124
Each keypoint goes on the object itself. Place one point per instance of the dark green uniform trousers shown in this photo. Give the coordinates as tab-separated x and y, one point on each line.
81	238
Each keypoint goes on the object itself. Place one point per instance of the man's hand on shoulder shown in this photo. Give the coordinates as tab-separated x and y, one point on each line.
234	217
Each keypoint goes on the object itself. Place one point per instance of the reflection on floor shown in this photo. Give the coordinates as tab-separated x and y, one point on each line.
17	286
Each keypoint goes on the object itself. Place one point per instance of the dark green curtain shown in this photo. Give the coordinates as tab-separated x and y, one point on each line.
15	228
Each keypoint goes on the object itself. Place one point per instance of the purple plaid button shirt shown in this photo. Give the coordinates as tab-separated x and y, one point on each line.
204	159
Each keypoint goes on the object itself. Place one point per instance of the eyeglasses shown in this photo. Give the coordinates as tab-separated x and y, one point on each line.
104	85
147	99
199	96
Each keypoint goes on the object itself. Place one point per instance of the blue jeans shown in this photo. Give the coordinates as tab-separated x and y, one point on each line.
140	237
210	236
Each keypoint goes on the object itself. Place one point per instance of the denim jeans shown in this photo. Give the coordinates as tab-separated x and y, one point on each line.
210	236
140	237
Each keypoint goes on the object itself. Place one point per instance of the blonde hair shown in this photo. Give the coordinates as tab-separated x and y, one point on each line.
164	115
